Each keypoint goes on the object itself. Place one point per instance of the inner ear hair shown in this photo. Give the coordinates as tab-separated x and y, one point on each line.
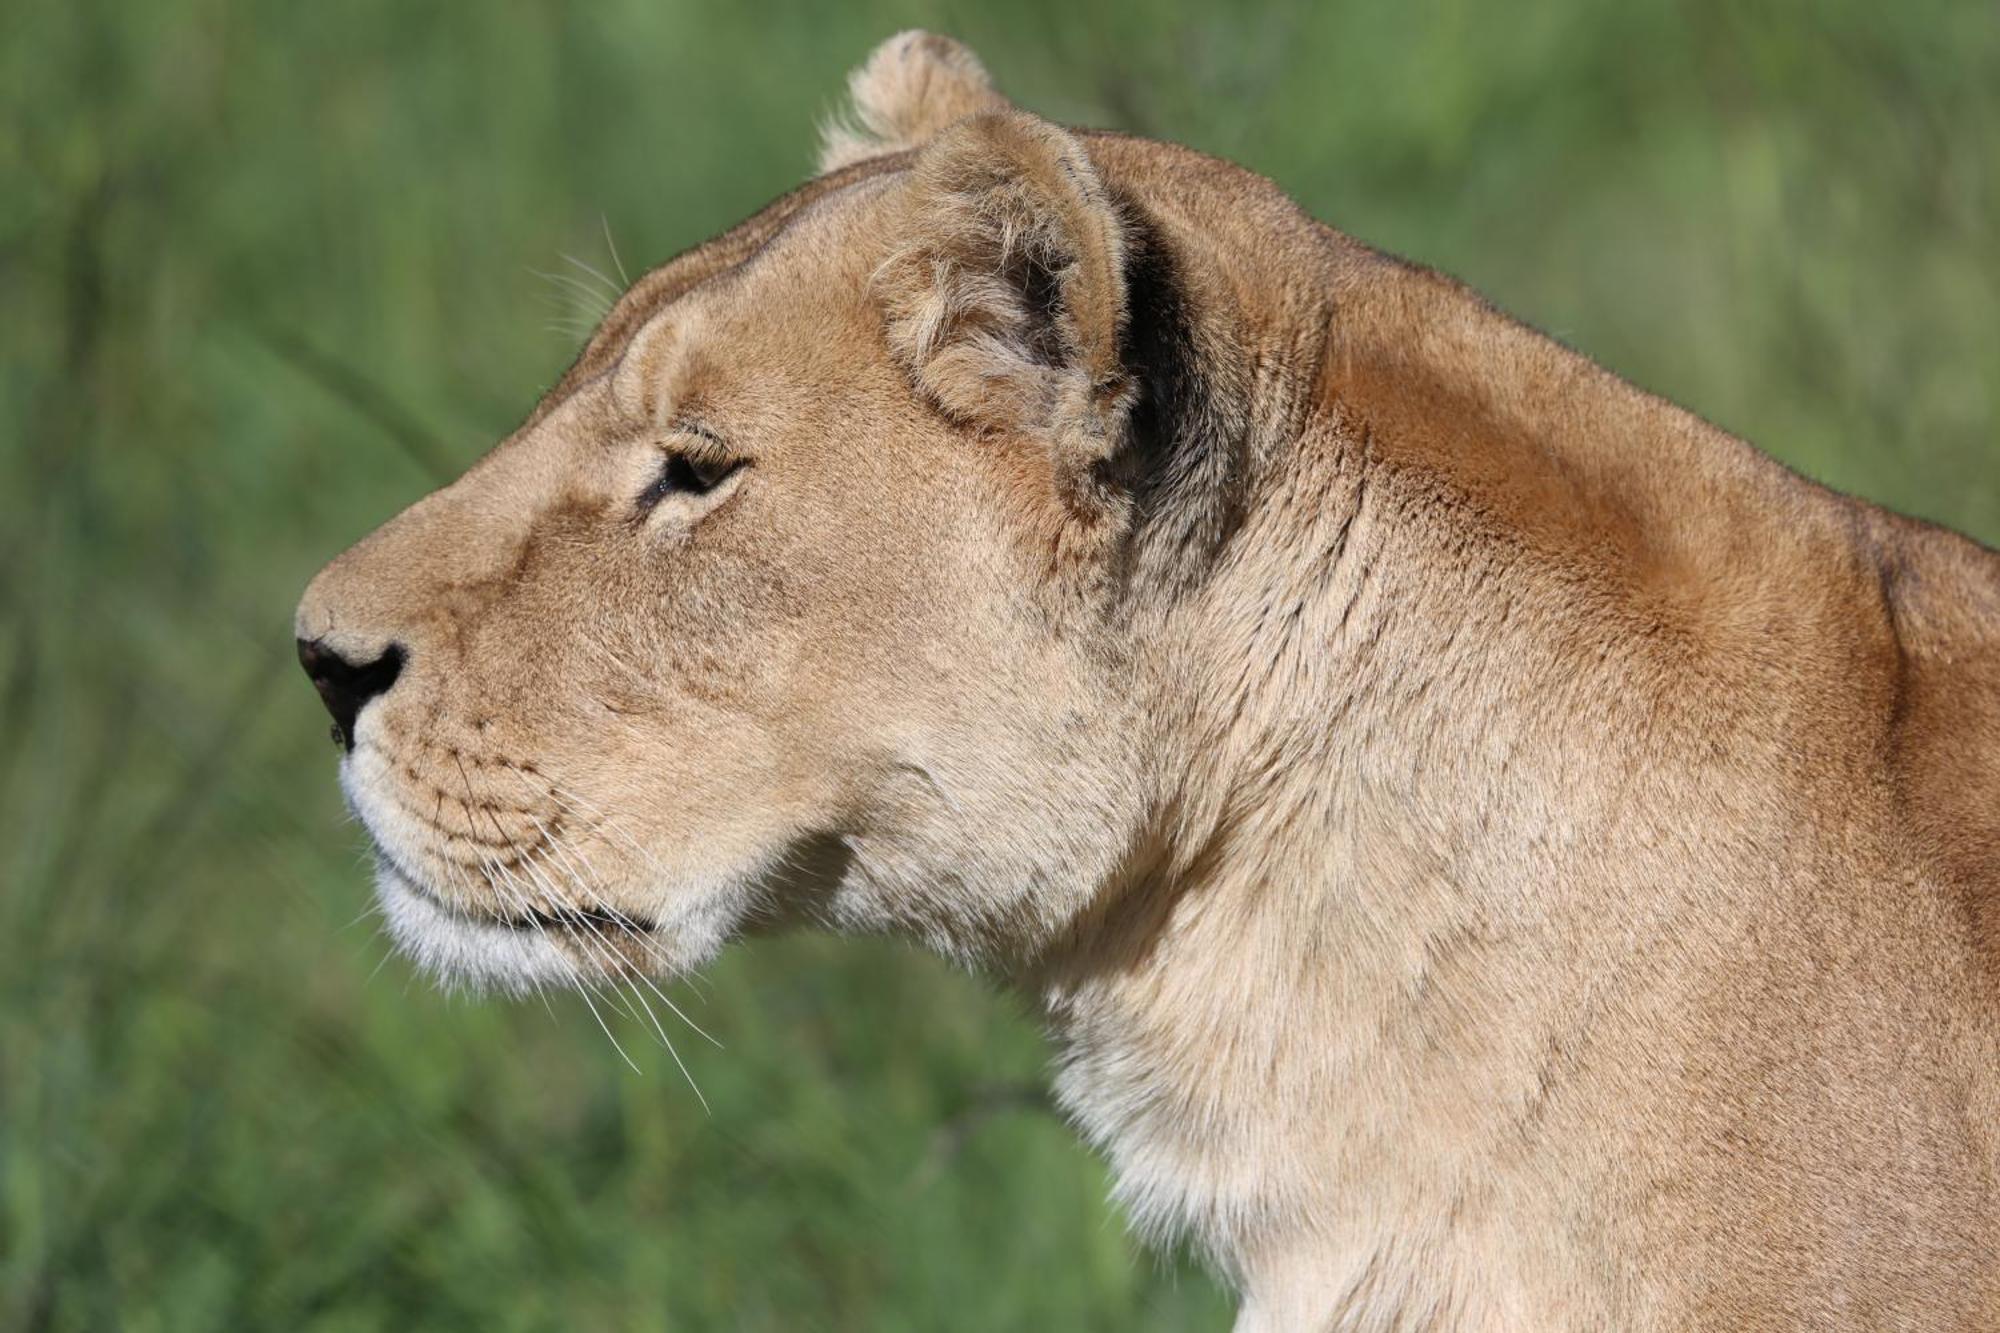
1007	300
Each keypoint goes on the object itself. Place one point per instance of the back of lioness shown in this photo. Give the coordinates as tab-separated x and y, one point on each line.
1944	593
1770	777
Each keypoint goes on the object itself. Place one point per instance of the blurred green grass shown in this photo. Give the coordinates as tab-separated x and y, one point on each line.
268	268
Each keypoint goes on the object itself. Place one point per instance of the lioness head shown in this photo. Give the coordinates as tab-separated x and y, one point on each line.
804	593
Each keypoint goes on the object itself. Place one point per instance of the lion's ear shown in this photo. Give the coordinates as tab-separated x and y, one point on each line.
1006	300
910	87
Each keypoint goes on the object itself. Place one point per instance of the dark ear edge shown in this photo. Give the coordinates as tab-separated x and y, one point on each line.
1186	452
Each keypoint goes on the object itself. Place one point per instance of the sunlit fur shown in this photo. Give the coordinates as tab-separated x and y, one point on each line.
1493	851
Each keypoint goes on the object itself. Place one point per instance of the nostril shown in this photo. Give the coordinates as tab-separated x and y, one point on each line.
346	686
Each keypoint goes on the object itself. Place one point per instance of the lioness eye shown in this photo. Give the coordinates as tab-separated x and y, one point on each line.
686	474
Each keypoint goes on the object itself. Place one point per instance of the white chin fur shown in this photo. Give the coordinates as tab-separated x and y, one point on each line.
458	951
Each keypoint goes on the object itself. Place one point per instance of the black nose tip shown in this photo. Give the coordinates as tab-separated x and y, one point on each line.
345	686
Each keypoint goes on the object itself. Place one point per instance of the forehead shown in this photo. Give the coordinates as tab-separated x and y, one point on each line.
662	287
796	309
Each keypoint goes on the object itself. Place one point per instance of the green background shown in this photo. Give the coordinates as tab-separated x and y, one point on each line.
269	270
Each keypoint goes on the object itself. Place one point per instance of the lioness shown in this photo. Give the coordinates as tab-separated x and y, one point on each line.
1494	850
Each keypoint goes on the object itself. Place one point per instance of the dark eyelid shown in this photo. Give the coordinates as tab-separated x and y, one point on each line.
697	466
698	428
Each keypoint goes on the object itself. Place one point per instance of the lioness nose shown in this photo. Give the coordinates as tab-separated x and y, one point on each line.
344	685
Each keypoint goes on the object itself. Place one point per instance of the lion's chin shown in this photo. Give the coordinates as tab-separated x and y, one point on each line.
459	950
550	948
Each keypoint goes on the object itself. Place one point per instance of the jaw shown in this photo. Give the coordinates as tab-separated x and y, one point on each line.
525	918
457	948
545	938
564	948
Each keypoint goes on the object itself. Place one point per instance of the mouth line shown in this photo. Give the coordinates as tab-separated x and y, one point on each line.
574	919
570	919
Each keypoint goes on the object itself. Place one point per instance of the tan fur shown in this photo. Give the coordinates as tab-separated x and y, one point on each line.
1494	851
913	86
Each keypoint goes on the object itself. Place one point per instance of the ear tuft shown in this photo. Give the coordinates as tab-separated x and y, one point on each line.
1006	301
911	87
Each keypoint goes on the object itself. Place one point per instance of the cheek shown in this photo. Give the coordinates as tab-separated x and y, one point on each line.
714	628
679	673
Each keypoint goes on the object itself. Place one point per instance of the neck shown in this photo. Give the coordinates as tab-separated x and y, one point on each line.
1337	993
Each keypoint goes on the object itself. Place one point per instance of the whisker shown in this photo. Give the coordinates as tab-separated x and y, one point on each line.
500	886
585	993
586	881
618	967
518	903
373	909
609	996
588	296
570	281
610	286
577	805
666	1041
464	881
611	245
581	806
